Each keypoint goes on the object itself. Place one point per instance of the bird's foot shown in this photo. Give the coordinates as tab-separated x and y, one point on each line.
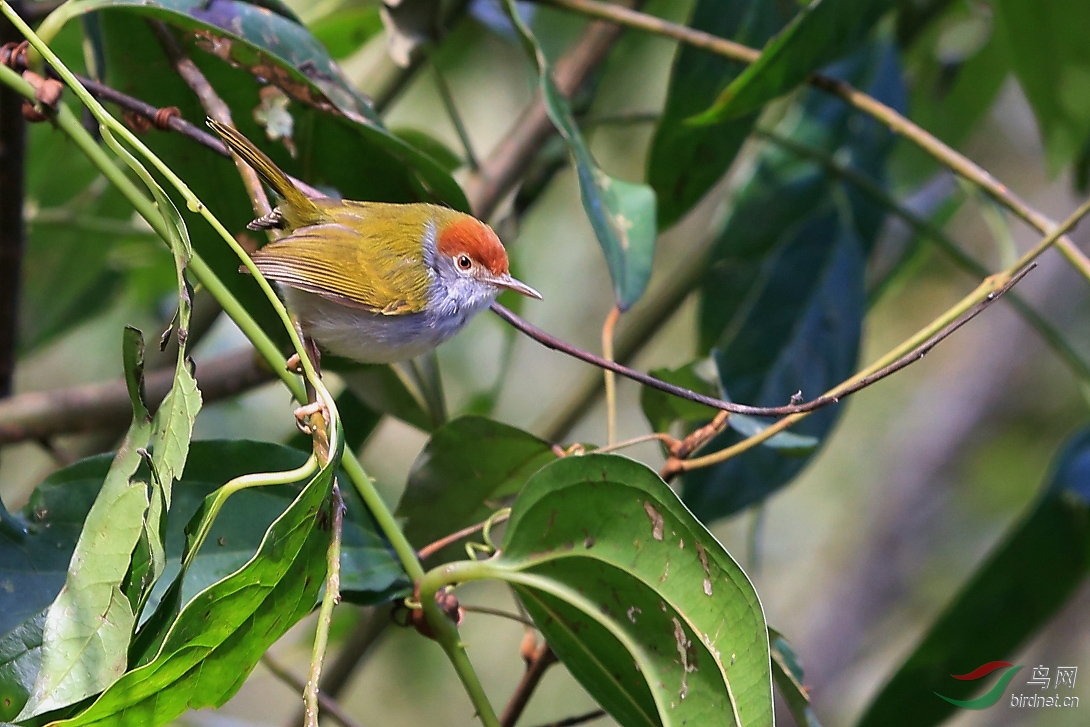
305	412
294	364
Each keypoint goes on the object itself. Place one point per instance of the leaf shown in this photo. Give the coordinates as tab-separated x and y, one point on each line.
685	161
219	636
464	471
621	213
782	303
86	634
1052	61
443	155
663	410
240	48
346	29
951	92
384	389
1039	565
823	31
34	565
787	675
639	601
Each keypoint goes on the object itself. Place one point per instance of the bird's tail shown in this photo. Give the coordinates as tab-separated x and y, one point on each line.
299	209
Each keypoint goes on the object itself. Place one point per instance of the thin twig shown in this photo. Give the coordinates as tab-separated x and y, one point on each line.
539	663
501	613
432	548
577	719
455	117
213	105
652	437
897	123
352	655
936	236
92	407
610	380
330	599
330	706
824	400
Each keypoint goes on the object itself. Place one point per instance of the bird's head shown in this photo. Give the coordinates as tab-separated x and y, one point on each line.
472	263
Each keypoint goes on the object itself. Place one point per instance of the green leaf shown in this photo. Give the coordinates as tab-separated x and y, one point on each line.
639	601
85	638
663	410
823	31
463	473
621	213
385	389
783	300
1052	61
787	675
1041	562
952	90
443	155
685	161
343	31
35	563
220	635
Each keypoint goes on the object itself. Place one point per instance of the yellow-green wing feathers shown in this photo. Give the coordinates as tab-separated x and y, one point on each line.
381	270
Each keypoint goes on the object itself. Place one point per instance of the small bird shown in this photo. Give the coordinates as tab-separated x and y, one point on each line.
371	281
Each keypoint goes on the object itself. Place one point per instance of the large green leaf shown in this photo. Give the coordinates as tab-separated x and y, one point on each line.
1022	584
85	637
1052	61
467	467
639	601
34	562
219	636
823	31
685	161
782	303
621	213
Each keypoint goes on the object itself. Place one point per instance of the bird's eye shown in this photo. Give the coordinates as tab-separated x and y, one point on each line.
464	262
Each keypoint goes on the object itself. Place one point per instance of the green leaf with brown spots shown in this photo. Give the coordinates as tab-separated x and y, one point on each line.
640	602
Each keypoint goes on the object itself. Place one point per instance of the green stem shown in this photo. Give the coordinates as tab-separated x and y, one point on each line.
330	599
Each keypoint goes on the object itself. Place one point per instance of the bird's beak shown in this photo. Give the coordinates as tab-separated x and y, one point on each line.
509	283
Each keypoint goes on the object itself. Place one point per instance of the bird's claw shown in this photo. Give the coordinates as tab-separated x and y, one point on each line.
303	413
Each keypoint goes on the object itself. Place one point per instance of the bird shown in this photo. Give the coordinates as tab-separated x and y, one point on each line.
375	282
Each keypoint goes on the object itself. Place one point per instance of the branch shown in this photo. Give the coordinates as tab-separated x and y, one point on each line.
538	663
577	719
897	123
39	415
762	411
330	706
213	105
12	225
506	164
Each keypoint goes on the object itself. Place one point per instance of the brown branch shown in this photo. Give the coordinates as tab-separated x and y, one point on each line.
329	705
432	548
12	226
92	407
213	105
500	613
506	164
577	719
557	344
539	662
897	123
357	646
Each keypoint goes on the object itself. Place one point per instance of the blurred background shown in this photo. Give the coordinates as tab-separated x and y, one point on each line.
859	554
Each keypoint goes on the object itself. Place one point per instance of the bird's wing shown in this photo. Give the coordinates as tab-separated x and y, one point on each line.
365	270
